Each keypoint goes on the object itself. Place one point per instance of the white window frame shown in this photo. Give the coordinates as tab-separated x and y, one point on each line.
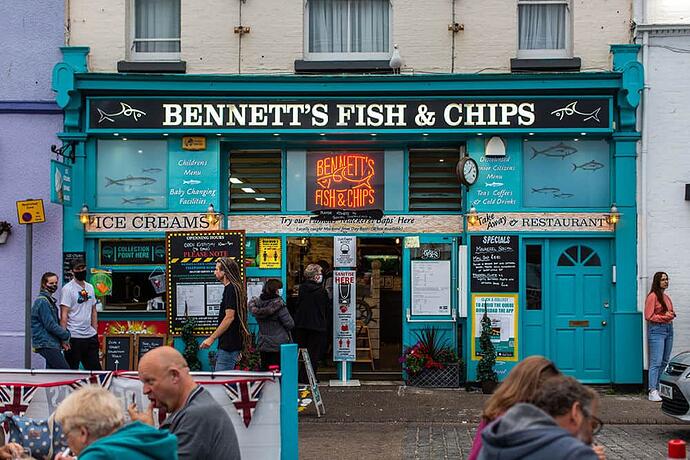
566	52
142	56
349	56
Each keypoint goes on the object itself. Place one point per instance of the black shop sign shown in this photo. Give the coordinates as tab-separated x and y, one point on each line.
494	263
193	290
132	252
466	113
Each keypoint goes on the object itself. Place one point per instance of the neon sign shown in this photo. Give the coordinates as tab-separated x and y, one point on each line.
345	180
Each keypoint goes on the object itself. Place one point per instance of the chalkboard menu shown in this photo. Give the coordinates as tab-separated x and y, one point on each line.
132	252
193	290
67	258
118	352
147	342
494	260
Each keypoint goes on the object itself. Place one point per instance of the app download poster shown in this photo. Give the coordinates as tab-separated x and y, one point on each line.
502	310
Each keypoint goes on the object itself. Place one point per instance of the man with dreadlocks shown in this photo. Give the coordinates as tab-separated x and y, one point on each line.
232	330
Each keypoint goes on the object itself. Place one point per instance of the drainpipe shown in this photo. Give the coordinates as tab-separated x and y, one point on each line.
455	28
67	24
240	30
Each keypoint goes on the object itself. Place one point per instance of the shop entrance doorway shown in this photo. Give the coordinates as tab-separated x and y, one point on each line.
379	300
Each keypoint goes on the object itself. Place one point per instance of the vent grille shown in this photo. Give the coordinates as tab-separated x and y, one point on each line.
254	182
433	184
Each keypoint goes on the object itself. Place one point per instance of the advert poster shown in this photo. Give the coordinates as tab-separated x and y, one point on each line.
269	253
502	310
430	290
344	251
344	310
193	290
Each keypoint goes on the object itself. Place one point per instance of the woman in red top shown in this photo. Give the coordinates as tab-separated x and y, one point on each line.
658	311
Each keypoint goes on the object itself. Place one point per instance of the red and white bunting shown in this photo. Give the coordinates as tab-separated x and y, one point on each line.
245	396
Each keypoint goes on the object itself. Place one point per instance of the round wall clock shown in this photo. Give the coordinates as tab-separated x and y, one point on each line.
467	171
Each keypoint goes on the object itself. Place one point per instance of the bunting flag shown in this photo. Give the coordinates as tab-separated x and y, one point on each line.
104	380
16	398
245	396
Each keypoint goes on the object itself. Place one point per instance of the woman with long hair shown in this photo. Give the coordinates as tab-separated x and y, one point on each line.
658	311
47	336
232	331
275	323
520	386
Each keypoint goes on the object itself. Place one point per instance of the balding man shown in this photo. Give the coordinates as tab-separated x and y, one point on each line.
203	428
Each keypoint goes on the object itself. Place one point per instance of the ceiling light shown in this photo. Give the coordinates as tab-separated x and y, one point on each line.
576	139
140	151
218	134
165	134
425	134
276	134
248	190
116	134
124	138
583	134
322	134
441	160
372	134
235	180
531	134
480	134
258	198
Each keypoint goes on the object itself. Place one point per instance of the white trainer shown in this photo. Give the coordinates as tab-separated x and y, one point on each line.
654	396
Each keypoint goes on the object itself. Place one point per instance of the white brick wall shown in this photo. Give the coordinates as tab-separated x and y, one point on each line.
668	170
420	28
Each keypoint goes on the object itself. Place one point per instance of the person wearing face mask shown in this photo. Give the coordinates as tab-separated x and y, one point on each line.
48	338
78	316
310	318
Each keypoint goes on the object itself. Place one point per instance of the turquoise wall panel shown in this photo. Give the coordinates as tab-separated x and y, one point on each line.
394	190
194	177
296	181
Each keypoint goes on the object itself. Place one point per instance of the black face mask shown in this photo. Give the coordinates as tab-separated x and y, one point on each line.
51	289
80	276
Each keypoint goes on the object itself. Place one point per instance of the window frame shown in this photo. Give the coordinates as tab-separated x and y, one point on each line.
547	53
350	55
143	56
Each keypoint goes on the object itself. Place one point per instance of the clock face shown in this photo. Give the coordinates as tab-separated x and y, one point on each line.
469	171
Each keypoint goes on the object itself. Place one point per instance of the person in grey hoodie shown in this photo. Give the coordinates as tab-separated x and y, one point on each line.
560	424
275	323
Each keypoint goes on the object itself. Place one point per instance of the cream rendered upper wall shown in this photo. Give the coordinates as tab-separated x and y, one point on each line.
276	39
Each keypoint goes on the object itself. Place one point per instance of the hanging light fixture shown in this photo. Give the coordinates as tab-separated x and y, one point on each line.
84	214
614	216
472	216
212	215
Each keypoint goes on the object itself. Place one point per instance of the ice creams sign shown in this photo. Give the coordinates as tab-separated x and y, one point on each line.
345	180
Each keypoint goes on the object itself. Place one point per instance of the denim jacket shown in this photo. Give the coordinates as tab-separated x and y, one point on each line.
46	331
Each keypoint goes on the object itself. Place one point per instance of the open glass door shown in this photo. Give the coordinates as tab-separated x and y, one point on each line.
430	281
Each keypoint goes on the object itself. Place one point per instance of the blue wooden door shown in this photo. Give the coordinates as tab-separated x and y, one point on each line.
580	291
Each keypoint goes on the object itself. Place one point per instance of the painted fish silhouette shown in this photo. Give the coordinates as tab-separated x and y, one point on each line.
546	190
571	109
126	111
559	150
589	166
139	200
191	182
563	195
493	184
131	181
151	170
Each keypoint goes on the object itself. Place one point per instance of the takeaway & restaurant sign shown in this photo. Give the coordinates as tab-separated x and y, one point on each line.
355	114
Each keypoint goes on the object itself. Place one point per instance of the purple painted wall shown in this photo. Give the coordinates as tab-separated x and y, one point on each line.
31	33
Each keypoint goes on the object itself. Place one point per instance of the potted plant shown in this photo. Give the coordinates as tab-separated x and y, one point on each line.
5	231
485	369
431	362
191	346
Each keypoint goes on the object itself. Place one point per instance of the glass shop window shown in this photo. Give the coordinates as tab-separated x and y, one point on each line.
132	174
255	180
567	174
534	276
433	183
133	291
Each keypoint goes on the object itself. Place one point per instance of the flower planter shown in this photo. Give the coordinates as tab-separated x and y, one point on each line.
488	388
448	377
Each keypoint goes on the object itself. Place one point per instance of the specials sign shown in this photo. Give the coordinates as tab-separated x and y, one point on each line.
344	180
357	114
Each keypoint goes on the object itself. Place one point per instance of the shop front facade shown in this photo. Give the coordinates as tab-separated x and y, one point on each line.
362	172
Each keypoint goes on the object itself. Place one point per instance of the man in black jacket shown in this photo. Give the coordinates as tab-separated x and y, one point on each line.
310	317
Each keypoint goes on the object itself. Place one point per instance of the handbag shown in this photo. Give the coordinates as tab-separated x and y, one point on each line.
42	437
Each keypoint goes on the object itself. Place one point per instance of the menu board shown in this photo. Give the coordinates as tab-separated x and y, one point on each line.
132	252
67	258
431	287
499	181
494	263
118	352
193	177
193	289
147	342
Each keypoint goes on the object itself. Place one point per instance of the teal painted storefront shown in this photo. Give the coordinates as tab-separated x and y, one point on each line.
607	349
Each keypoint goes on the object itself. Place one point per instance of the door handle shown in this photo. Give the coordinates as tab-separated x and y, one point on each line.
604	323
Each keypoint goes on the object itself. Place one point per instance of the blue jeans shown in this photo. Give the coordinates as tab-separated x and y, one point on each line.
226	360
660	339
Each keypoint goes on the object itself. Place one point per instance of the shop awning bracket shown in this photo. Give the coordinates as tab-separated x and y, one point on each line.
63	151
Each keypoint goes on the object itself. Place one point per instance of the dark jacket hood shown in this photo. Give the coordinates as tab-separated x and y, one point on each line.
527	432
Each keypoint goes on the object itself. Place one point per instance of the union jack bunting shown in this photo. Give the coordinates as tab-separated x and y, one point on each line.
16	398
245	396
104	380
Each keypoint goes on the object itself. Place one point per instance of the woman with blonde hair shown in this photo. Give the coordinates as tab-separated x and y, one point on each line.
93	422
520	386
232	331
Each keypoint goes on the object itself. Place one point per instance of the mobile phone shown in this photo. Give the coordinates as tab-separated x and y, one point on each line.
66	452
